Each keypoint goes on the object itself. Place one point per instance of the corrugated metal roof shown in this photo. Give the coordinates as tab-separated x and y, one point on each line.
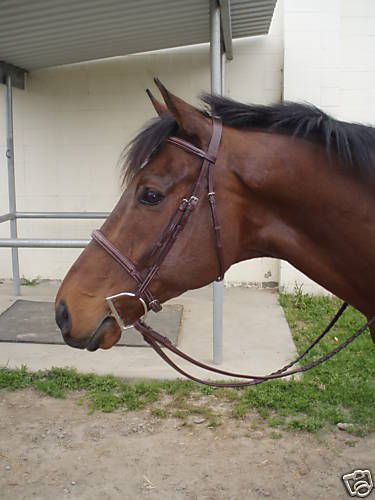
41	33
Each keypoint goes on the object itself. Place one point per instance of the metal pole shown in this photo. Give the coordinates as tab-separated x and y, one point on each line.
12	183
6	217
41	243
61	215
216	88
223	72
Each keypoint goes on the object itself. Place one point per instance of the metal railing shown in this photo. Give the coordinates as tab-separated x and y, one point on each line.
15	243
50	242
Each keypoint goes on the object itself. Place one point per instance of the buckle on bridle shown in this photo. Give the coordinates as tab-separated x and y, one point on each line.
115	313
155	305
190	201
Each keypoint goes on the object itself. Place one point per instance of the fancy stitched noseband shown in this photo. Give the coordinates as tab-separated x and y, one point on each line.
159	252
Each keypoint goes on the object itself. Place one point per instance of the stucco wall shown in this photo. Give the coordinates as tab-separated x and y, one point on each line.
72	122
329	61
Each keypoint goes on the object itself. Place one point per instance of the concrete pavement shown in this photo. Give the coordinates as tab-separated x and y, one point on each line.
257	338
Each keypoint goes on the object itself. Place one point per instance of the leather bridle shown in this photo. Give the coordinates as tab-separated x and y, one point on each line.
161	249
163	246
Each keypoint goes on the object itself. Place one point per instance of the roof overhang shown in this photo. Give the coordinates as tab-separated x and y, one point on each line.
42	33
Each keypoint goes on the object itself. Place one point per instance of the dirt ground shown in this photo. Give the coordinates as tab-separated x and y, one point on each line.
55	449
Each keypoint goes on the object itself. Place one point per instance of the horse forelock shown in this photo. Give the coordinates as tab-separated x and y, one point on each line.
145	144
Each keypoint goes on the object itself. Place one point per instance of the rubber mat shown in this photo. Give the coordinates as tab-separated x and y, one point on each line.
34	322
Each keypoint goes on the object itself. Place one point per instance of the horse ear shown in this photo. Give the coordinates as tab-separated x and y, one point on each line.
190	120
159	107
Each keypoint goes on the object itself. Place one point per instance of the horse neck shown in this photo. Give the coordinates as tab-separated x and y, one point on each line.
301	206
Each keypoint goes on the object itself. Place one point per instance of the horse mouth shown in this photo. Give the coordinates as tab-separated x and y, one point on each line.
105	336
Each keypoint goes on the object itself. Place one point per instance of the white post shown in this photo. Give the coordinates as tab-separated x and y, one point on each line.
216	88
12	183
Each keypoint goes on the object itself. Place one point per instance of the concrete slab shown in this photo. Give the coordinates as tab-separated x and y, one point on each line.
257	338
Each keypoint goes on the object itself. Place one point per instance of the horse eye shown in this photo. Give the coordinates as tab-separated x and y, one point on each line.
150	197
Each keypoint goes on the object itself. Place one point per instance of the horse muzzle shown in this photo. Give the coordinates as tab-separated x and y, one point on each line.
109	328
112	326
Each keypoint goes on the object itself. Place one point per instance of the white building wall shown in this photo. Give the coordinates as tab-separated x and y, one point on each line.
71	124
329	60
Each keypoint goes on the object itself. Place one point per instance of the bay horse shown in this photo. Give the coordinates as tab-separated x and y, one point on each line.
287	181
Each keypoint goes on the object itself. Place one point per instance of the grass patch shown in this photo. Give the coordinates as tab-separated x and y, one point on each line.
342	390
276	435
159	412
30	282
105	393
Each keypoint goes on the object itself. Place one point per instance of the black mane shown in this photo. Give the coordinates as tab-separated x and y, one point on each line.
354	143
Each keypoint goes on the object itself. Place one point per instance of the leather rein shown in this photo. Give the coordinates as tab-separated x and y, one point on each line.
159	252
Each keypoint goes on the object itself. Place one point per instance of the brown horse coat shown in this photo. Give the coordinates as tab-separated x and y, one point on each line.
290	181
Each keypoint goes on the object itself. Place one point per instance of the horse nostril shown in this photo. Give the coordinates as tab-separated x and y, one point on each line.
63	318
